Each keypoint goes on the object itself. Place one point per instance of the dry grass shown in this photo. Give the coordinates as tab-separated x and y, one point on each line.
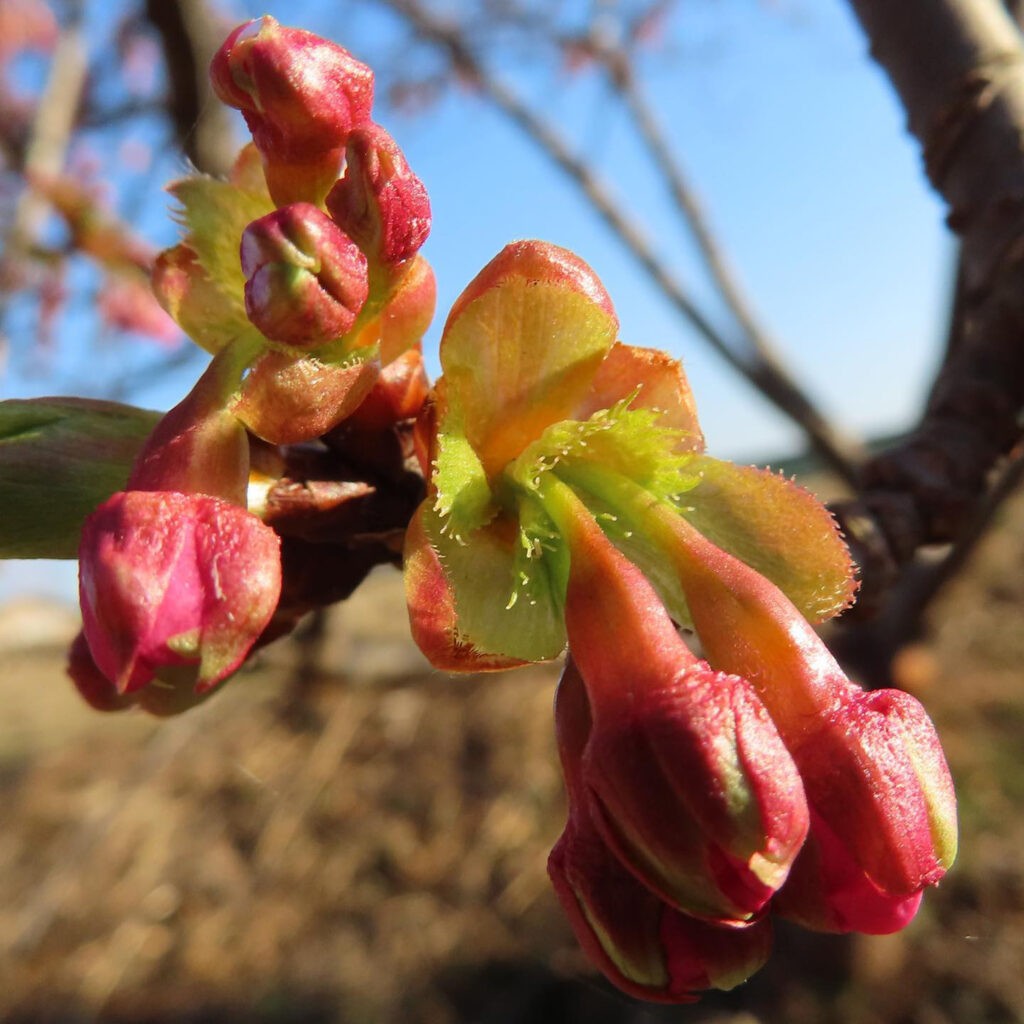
371	848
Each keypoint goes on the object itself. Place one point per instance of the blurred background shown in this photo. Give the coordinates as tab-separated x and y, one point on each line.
344	834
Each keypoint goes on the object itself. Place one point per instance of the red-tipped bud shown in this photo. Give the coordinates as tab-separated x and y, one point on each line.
692	787
379	201
872	764
828	891
168	580
876	773
301	96
641	945
306	279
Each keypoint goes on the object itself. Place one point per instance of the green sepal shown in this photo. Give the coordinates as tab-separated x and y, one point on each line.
621	441
59	459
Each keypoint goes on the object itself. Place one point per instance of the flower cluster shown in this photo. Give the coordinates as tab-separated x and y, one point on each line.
570	501
301	274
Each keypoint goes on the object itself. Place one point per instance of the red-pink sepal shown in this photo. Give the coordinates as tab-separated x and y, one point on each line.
398	394
431	603
306	280
300	95
640	944
380	202
169	579
827	891
692	787
288	399
407	312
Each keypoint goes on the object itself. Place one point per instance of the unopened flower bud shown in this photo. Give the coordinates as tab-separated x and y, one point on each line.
300	95
379	201
640	944
306	279
872	764
876	773
692	787
828	891
168	580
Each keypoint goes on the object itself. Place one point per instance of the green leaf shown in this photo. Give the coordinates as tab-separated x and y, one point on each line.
498	612
215	213
59	459
463	500
776	527
519	357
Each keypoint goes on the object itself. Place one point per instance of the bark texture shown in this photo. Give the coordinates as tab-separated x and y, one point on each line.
958	67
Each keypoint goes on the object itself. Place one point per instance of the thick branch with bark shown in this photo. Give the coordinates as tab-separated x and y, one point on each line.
190	34
958	67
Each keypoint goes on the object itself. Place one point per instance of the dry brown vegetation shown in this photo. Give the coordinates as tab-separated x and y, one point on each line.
344	835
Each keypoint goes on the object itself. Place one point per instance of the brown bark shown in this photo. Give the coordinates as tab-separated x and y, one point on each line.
958	67
190	34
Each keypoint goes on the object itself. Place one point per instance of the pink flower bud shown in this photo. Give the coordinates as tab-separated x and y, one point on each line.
876	773
300	95
872	763
306	279
638	942
692	787
169	579
380	202
828	891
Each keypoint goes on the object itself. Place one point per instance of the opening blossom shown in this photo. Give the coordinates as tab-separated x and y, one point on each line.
570	502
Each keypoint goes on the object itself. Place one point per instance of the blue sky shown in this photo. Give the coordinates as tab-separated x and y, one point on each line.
797	146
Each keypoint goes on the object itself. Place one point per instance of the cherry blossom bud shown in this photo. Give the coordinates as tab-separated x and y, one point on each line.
380	202
876	773
640	944
692	787
872	764
169	579
306	279
828	891
300	95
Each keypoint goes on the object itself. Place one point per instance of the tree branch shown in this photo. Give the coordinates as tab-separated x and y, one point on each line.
958	67
190	35
761	369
